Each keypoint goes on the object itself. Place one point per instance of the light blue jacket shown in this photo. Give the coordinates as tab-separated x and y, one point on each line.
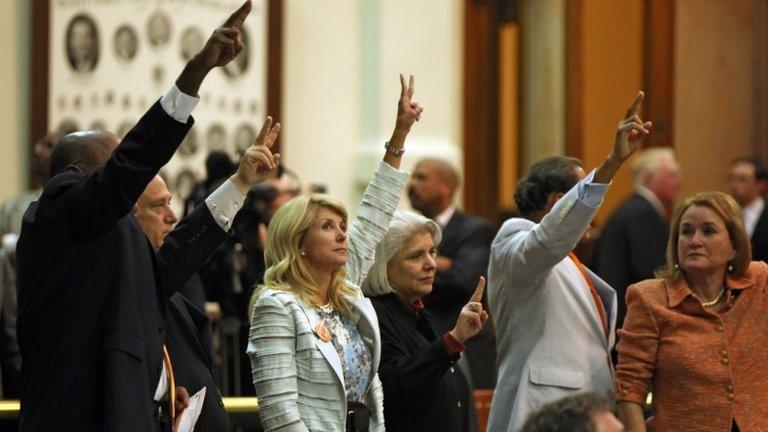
299	378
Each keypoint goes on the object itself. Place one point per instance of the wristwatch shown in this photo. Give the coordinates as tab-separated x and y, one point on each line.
393	150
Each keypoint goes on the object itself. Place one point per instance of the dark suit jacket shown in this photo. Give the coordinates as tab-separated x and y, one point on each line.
423	389
467	242
92	291
190	348
760	237
631	247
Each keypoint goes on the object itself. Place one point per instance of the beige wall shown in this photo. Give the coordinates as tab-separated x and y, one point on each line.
720	87
612	60
341	87
13	87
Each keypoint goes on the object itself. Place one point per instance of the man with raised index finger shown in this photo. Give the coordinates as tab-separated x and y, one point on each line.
92	292
555	318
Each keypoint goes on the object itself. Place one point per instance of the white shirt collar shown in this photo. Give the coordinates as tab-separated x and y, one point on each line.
652	198
445	216
751	213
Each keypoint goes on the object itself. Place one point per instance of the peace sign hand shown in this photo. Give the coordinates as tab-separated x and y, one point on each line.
408	111
258	162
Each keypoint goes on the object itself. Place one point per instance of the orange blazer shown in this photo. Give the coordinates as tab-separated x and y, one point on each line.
706	370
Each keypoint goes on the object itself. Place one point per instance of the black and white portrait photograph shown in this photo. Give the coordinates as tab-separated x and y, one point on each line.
216	137
189	145
245	135
82	44
67	126
239	65
159	29
191	42
126	42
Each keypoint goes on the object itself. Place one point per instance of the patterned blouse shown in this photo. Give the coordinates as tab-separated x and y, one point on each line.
355	357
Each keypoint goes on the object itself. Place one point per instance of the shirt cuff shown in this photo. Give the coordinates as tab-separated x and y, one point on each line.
178	105
162	386
224	203
452	345
591	193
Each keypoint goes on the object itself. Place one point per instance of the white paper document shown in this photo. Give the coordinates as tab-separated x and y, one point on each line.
188	418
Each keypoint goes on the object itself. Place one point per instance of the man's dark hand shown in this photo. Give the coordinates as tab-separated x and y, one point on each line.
221	48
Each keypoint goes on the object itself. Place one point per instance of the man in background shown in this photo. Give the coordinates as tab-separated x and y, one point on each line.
747	181
633	241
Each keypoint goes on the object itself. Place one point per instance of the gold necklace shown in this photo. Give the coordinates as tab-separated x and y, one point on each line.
717	299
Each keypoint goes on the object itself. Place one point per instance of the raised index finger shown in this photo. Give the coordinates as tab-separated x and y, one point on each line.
636	104
478	295
237	19
403	88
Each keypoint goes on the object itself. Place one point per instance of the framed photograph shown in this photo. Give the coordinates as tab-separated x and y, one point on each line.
100	65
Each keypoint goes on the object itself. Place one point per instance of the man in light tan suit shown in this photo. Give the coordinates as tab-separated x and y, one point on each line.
555	318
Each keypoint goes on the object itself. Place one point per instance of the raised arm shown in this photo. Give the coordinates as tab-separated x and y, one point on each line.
197	236
408	112
532	249
97	201
383	192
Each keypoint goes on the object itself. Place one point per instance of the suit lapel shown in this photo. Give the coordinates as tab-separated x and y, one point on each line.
586	302
196	322
326	348
368	326
608	297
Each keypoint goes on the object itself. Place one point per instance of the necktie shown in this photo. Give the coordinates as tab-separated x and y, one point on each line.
171	384
595	296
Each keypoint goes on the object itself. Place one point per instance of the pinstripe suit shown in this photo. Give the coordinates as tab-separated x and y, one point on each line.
299	378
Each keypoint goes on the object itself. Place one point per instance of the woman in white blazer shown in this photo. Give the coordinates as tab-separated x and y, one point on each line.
314	341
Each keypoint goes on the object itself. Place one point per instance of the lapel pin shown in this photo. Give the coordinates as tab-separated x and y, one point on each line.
322	332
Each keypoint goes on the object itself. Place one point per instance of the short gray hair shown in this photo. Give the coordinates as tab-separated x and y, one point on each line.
648	161
404	225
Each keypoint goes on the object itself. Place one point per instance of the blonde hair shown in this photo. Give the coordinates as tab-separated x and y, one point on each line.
287	270
730	212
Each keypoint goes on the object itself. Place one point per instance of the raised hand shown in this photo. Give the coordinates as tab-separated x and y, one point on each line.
472	316
408	111
631	130
225	42
221	48
630	133
258	162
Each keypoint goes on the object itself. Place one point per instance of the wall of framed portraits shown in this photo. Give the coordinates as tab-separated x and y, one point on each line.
108	61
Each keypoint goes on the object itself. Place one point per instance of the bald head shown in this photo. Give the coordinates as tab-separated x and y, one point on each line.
82	152
433	185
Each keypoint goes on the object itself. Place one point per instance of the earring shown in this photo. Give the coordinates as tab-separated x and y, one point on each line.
302	253
730	267
677	266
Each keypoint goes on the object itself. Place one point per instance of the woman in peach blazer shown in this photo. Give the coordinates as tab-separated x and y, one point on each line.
699	335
